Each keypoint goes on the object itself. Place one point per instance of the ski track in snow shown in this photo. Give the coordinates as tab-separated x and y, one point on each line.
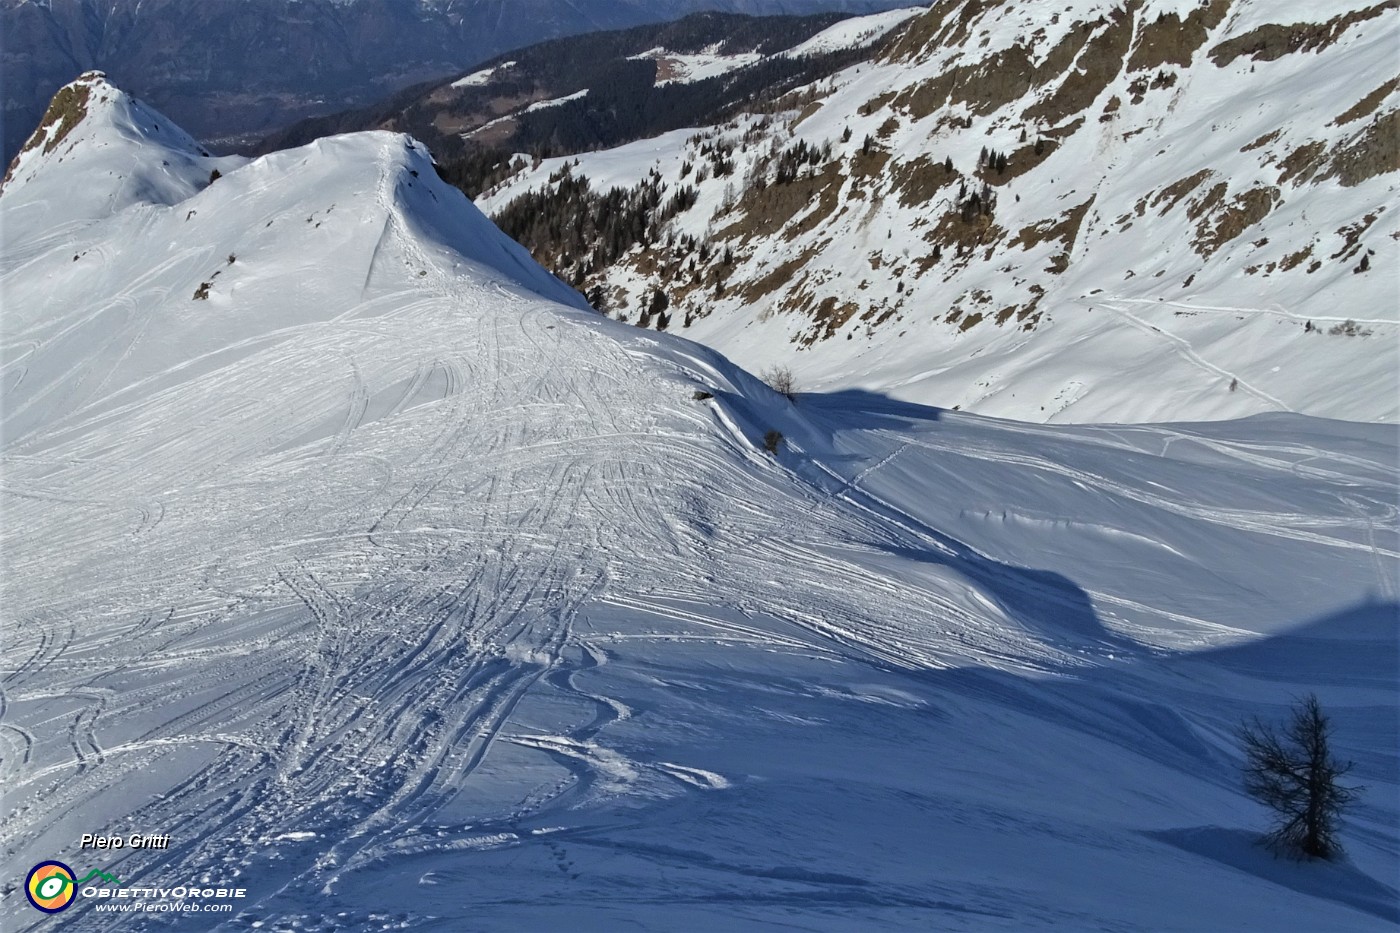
1197	308
402	689
445	569
1184	348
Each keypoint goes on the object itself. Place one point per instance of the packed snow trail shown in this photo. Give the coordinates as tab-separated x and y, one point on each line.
401	595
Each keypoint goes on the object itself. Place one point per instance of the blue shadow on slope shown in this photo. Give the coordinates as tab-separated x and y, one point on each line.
1239	849
1151	707
1154	705
874	409
1356	646
1170	708
1048	603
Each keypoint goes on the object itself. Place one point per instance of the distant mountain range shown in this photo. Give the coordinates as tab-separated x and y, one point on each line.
236	69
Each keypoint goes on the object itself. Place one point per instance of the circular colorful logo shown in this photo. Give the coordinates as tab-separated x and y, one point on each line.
50	887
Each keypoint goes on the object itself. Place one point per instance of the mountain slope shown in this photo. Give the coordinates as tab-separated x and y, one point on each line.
402	593
1111	212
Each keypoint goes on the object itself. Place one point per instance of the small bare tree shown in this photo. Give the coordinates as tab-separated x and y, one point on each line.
781	379
1294	774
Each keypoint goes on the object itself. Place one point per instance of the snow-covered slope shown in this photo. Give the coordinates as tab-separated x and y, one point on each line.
1089	212
145	268
854	33
402	592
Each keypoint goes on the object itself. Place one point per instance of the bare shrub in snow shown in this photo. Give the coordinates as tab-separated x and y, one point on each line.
781	379
1349	328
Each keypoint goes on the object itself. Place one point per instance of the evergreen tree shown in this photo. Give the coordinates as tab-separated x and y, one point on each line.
1295	775
659	303
598	299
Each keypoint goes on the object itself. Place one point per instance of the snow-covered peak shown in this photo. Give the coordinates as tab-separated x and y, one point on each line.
98	151
101	151
126	204
90	111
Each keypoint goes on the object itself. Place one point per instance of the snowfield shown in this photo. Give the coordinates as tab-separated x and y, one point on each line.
853	33
481	78
684	68
407	593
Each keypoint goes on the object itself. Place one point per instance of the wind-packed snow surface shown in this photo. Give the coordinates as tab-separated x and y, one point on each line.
404	593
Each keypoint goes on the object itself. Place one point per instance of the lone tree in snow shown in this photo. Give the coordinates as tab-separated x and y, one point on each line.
781	379
1294	774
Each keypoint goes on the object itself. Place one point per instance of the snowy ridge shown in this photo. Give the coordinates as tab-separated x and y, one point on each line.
481	78
853	33
460	604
